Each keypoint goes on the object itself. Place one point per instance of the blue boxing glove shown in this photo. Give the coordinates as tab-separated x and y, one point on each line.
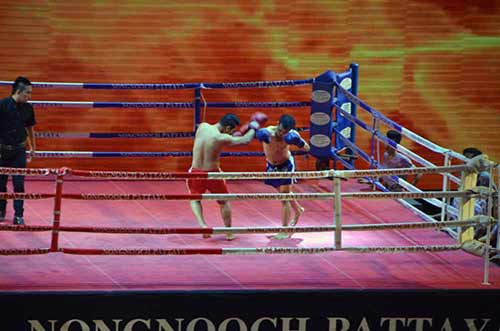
293	138
264	135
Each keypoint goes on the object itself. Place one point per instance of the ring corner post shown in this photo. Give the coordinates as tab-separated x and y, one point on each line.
354	67
54	244
197	108
347	80
445	185
321	118
466	211
337	205
498	211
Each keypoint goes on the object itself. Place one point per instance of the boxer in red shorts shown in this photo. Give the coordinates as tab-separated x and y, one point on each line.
209	141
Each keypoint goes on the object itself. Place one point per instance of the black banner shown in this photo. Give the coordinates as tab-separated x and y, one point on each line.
252	311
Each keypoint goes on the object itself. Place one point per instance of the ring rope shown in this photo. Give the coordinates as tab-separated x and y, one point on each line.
134	135
352	98
281	249
174	105
436	202
249	230
245	196
91	104
50	134
401	171
233	251
27	171
258	250
240	175
409	134
24	251
119	86
386	140
25	228
403	249
92	154
26	196
209	175
352	146
141	251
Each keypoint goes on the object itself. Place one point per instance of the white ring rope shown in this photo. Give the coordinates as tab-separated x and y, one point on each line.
249	175
405	132
415	157
360	249
257	196
327	196
476	220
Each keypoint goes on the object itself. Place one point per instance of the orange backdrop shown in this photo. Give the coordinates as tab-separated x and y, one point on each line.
432	66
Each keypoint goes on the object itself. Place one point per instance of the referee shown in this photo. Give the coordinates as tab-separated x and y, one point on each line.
17	119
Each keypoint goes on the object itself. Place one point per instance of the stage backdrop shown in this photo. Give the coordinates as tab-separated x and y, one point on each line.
433	66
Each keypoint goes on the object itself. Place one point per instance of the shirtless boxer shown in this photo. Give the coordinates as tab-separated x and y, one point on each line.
209	141
276	140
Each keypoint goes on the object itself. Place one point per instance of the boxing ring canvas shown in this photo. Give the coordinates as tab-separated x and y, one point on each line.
338	270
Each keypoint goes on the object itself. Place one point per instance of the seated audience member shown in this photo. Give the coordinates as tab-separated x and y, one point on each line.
393	159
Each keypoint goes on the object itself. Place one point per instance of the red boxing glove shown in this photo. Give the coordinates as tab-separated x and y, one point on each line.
259	117
257	120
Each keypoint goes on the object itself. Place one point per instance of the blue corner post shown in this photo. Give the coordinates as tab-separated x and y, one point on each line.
349	81
321	122
197	108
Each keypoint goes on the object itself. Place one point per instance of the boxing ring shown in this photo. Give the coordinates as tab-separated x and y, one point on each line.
119	231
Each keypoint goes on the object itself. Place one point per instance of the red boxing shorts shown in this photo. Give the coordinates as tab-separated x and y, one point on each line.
200	186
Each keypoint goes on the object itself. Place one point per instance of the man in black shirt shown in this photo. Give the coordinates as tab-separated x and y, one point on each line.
17	119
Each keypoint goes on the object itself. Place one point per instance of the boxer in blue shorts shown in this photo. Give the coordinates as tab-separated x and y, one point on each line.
276	141
287	166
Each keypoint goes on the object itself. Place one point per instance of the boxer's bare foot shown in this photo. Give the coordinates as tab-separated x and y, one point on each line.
298	213
281	235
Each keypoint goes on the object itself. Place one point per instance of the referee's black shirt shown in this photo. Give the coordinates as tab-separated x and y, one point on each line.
14	118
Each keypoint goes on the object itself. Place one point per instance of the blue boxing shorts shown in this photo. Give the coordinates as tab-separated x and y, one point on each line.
287	166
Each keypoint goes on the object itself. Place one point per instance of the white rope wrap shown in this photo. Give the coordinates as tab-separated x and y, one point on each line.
329	196
476	220
399	171
478	166
355	249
